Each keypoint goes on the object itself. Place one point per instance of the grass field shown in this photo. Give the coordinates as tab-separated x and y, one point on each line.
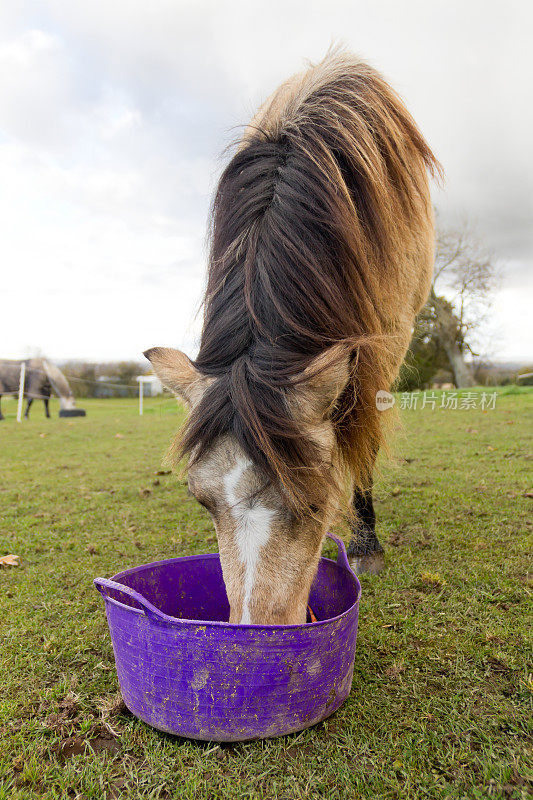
441	699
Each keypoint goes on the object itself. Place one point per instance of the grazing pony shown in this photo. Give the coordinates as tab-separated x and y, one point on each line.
41	378
321	255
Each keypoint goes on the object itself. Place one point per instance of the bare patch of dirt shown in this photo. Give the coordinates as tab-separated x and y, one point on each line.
121	787
398	538
111	706
497	665
415	535
509	789
66	716
415	643
296	751
409	599
394	671
98	739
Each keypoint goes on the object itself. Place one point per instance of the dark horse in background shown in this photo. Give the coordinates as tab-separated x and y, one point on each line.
41	379
322	251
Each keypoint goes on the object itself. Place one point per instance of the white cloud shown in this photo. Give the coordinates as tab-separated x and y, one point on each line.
113	113
509	331
35	88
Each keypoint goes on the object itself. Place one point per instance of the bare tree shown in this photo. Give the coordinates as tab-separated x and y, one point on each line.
466	274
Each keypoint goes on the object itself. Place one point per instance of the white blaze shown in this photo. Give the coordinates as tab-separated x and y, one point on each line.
252	531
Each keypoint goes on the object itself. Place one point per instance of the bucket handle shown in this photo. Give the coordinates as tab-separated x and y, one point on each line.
342	555
104	585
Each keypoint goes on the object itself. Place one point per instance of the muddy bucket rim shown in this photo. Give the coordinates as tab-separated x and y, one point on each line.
155	615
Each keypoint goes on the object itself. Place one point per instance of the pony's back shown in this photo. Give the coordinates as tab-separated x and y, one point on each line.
322	234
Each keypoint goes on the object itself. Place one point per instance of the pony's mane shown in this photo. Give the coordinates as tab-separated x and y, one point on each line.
329	177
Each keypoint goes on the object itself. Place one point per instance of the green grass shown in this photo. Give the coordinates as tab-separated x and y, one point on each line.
441	699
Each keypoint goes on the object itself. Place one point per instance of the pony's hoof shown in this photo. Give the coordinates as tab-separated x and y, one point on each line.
372	563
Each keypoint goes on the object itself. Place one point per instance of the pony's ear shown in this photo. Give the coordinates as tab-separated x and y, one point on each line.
177	373
322	382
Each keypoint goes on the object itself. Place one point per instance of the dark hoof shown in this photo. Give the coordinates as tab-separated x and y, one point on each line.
372	563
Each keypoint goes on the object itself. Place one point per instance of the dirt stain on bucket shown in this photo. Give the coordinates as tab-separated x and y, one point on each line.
200	678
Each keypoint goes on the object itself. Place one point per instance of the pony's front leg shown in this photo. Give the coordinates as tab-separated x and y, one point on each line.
365	551
27	412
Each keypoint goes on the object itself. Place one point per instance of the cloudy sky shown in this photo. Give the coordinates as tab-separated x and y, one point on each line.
114	115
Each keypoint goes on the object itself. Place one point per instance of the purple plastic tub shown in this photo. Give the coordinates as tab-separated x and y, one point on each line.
185	670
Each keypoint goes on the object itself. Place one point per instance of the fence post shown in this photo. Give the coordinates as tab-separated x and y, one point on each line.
21	391
141	385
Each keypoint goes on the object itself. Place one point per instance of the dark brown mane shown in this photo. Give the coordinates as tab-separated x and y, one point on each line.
308	216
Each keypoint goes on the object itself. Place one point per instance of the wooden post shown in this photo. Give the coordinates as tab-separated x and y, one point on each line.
141	385
21	391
